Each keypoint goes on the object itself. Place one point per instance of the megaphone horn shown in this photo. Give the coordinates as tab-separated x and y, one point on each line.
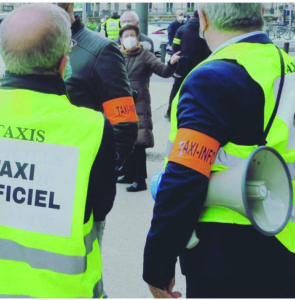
259	188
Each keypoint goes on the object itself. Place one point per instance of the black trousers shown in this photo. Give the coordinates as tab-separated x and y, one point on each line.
176	85
184	66
136	165
236	261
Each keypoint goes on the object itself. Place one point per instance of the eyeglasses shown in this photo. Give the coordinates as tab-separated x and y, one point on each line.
72	45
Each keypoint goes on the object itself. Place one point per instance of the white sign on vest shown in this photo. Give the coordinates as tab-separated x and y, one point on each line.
37	186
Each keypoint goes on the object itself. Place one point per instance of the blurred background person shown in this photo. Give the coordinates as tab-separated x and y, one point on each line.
131	18
172	28
193	49
112	26
141	64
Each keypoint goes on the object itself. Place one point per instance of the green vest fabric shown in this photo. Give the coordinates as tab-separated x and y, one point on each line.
112	28
252	57
34	264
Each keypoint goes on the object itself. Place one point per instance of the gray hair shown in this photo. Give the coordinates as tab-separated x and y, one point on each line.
42	44
133	15
234	16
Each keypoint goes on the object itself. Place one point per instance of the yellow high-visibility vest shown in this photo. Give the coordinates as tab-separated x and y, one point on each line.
112	28
52	254
252	56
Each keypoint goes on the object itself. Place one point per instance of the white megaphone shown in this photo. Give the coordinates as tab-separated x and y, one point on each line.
258	188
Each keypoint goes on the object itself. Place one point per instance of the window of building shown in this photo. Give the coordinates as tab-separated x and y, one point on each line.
7	7
169	7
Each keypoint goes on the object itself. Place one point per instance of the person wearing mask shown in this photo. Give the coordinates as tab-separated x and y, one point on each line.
173	27
131	18
193	50
57	165
141	64
112	26
224	104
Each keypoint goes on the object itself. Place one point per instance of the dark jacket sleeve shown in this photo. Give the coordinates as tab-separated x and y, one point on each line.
110	70
171	32
211	100
178	35
102	182
157	67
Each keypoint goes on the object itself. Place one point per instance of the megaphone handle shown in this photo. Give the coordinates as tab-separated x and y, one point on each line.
193	241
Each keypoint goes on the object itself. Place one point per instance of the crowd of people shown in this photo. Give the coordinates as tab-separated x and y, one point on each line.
75	111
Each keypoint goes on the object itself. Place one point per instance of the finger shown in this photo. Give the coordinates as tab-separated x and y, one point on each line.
176	294
162	294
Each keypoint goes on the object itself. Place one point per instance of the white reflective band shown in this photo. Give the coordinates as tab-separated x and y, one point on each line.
291	167
41	259
97	292
292	218
225	159
169	148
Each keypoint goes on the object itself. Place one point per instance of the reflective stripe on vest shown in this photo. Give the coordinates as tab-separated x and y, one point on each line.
46	263
41	259
176	41
251	56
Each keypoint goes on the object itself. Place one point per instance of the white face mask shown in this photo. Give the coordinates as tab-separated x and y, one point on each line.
180	19
129	42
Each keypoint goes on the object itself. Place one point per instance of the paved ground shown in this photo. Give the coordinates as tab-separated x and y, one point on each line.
128	222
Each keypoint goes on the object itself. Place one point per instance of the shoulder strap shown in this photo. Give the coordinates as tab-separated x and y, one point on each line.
263	141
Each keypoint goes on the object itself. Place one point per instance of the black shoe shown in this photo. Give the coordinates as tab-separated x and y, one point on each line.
124	179
136	187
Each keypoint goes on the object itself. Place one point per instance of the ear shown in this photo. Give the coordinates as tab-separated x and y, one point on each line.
70	8
203	20
63	66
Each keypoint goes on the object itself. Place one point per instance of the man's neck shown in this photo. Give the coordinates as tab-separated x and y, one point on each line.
216	38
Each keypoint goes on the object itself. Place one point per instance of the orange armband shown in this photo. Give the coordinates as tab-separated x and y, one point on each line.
194	150
120	110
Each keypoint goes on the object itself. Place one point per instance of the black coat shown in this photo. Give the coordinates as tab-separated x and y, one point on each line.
173	27
99	75
193	48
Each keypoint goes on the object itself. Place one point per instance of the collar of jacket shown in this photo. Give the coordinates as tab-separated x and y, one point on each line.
48	84
77	25
133	52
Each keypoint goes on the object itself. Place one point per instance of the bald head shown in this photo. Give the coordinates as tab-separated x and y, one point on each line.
34	38
129	18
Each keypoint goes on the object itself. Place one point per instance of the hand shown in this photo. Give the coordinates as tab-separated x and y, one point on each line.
174	58
159	293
